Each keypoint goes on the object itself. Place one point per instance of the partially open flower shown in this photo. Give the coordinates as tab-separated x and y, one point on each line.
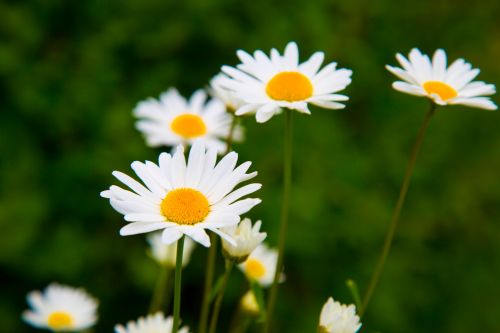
246	239
165	254
156	323
261	265
249	303
227	96
61	308
338	318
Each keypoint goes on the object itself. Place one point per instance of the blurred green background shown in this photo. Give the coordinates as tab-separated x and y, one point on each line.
71	72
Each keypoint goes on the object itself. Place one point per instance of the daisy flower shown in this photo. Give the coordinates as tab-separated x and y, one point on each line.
228	97
61	308
444	85
156	323
261	265
165	254
338	318
267	84
246	237
172	120
184	198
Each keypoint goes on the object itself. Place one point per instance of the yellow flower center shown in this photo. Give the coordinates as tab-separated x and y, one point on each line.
323	329
60	320
441	89
189	126
255	269
185	206
290	87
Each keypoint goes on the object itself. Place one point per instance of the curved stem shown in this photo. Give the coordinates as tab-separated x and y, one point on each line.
177	284
212	253
287	187
397	212
162	290
220	296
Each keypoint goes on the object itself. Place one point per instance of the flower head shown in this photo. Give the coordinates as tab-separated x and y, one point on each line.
260	266
184	198
267	84
444	85
61	308
166	254
246	239
227	96
156	323
249	303
172	120
338	318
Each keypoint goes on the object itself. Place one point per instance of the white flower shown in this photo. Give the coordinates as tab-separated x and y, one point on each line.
156	323
167	254
184	199
246	239
172	120
261	265
228	97
61	308
267	84
338	318
444	85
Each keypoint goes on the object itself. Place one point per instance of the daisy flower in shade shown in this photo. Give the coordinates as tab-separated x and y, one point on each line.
184	198
444	85
246	239
267	84
61	308
172	120
260	266
156	323
228	97
338	318
166	254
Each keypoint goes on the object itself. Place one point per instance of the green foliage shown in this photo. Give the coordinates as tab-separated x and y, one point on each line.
71	72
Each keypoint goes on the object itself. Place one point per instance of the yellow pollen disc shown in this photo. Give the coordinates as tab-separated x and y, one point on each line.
189	126
185	206
290	87
255	269
441	89
60	320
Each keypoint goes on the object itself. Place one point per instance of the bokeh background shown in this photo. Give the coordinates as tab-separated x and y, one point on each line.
71	72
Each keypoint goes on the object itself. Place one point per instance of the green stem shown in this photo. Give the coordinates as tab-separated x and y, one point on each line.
212	253
287	187
162	290
397	212
209	279
220	296
177	284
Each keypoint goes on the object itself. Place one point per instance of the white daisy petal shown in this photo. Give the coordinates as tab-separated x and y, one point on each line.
267	84
443	85
199	195
61	308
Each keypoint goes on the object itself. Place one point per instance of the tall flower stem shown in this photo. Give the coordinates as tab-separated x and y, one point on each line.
162	290
212	252
397	211
220	296
287	187
177	284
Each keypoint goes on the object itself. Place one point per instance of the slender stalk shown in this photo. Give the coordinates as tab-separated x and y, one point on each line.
177	284
397	211
220	296
212	252
287	187
162	290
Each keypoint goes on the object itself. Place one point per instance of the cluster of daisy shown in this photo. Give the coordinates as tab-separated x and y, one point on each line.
188	193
